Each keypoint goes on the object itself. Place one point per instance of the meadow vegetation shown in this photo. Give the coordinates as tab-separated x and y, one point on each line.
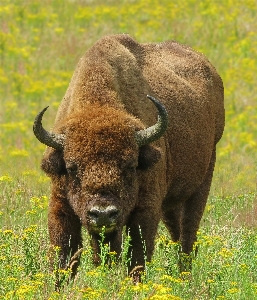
40	45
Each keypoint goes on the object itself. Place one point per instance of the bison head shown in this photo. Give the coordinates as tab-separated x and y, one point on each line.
96	158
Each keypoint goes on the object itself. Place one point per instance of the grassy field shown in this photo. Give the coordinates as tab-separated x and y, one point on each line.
40	44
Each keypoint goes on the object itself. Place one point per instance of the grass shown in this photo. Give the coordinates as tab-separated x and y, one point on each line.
40	44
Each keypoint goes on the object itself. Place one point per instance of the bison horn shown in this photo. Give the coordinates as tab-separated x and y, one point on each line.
53	140
153	133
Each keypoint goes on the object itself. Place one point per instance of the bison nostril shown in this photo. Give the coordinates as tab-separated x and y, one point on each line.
113	214
93	214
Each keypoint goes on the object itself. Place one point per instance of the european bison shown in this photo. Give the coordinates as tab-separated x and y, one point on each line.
111	167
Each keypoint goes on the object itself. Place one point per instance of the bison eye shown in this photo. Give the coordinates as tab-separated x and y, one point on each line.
130	169
71	168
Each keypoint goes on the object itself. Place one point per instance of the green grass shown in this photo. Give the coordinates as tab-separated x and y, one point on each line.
40	45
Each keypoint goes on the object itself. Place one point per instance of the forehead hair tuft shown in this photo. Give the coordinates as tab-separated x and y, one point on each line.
100	131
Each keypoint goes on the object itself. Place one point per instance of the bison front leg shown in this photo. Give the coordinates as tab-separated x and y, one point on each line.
142	229
65	236
113	240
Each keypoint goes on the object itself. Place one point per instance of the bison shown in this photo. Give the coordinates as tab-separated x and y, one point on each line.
112	164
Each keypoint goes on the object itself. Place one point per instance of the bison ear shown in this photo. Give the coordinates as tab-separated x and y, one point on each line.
148	157
53	162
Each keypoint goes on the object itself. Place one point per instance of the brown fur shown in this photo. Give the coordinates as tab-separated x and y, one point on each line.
101	163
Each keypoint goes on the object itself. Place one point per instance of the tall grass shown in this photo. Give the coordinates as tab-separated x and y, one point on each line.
40	44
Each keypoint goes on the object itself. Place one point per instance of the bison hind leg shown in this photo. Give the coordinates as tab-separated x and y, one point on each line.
193	209
183	221
171	219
